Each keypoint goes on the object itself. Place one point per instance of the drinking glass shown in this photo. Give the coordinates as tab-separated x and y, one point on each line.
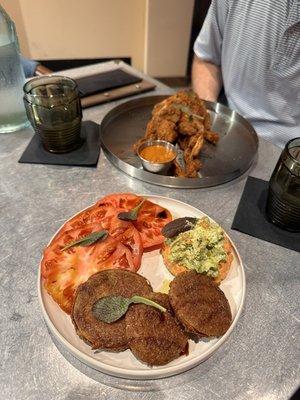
53	108
283	204
12	111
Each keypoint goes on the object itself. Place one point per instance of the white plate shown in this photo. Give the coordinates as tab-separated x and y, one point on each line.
124	364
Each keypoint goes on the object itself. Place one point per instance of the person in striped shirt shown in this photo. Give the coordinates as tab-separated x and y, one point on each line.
252	49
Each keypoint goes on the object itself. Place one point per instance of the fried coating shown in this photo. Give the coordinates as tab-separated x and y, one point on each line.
200	305
191	126
166	131
155	338
98	334
182	119
192	166
187	98
211	137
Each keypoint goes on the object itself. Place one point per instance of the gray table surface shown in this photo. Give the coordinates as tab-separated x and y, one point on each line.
259	361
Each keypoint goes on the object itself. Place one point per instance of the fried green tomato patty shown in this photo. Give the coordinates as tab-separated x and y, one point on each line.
98	334
199	304
154	337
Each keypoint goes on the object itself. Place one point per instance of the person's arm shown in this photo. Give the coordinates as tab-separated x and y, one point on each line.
29	66
206	79
206	70
32	68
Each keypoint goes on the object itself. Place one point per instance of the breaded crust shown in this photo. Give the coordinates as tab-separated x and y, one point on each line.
199	304
100	335
155	338
177	269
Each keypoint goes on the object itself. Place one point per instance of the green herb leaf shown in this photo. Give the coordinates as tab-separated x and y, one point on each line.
177	226
144	300
187	110
132	214
87	240
111	308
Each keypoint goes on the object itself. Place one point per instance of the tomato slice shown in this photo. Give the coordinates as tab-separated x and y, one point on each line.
121	201
151	219
132	240
105	217
64	271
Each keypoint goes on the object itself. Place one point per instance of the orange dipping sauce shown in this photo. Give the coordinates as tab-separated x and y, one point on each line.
157	154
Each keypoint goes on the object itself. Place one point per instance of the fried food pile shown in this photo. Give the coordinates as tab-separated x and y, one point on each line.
182	119
195	305
153	337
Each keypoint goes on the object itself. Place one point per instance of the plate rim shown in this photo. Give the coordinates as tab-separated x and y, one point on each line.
143	374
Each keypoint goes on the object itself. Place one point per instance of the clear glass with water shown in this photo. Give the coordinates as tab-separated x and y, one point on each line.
12	111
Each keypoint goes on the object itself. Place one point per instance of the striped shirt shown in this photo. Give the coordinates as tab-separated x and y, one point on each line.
257	45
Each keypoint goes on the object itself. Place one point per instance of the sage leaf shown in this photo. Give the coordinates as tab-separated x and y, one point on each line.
87	240
144	300
111	308
132	214
177	226
187	110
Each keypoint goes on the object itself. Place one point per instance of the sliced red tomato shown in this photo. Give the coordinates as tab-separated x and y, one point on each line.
151	219
94	214
64	271
105	217
131	239
122	201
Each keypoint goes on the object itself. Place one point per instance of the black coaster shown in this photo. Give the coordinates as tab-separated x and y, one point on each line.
87	155
251	217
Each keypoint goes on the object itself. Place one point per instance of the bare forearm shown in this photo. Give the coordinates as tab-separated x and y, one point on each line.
206	79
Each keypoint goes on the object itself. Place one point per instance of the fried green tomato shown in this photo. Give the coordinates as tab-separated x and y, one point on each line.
98	334
200	305
154	337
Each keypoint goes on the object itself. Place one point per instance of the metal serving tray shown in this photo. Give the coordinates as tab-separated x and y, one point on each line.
229	159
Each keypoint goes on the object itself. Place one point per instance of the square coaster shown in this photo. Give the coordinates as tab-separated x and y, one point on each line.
87	155
251	217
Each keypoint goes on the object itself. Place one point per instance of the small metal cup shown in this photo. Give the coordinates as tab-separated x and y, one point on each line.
283	204
53	108
157	168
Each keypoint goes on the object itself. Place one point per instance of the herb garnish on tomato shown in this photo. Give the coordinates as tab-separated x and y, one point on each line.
122	247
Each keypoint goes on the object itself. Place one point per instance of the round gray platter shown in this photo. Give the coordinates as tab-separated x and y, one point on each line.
229	159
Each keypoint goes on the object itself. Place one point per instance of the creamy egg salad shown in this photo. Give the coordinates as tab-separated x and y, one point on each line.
200	249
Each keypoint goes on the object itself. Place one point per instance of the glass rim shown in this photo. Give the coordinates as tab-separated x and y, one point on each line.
39	78
288	148
30	103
